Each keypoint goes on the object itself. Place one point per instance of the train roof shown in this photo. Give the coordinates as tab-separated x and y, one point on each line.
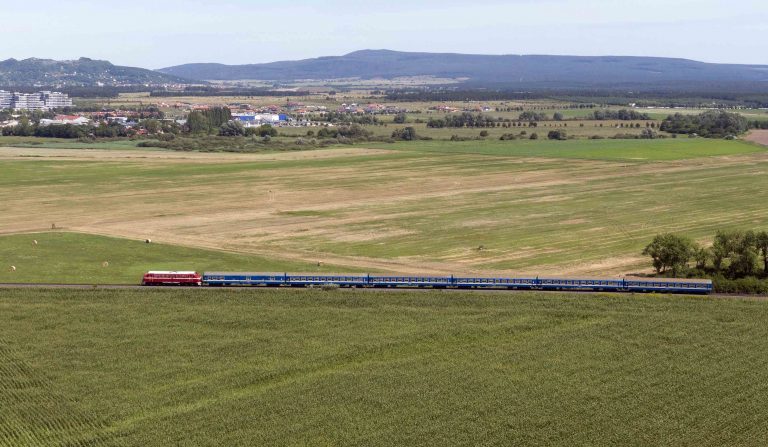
171	272
247	273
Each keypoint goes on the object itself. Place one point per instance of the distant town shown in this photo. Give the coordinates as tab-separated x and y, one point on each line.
289	114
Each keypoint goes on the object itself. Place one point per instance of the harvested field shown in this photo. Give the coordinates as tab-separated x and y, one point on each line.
416	210
758	136
20	153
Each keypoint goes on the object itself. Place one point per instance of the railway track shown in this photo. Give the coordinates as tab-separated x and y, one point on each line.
351	289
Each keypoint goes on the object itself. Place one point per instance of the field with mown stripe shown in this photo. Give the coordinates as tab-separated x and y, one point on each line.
538	207
299	367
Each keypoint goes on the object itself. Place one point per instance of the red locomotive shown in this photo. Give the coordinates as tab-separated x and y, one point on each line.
163	278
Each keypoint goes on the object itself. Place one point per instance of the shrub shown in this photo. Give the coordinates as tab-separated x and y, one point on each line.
749	285
557	135
405	134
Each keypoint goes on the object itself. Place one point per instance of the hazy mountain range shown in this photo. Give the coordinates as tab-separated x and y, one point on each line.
501	71
82	72
522	70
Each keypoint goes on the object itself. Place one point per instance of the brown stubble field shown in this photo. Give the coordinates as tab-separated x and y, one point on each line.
387	210
758	136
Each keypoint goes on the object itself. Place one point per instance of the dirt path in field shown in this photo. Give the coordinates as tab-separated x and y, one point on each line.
758	136
155	155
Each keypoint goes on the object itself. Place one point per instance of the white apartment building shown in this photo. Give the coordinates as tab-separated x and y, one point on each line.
28	101
55	100
34	101
5	99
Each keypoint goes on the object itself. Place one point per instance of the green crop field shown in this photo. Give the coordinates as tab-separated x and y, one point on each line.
89	259
63	143
298	367
629	150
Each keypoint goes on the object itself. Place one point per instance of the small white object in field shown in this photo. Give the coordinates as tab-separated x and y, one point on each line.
13	268
34	241
148	241
105	264
319	263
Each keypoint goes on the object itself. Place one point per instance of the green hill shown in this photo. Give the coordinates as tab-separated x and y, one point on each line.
82	72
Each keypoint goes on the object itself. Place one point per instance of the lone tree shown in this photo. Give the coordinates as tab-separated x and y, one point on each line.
739	249
744	261
670	252
198	123
406	134
152	126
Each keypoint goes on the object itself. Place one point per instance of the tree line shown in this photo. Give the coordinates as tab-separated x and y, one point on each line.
621	115
734	254
464	119
710	124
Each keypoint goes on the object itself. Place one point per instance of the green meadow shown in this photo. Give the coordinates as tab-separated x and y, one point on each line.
668	149
297	367
60	257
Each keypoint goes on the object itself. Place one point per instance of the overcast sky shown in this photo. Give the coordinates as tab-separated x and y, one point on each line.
160	33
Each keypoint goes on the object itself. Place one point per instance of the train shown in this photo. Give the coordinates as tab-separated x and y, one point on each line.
366	280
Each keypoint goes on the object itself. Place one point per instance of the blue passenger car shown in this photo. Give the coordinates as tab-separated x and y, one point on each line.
670	286
409	281
303	280
243	279
441	282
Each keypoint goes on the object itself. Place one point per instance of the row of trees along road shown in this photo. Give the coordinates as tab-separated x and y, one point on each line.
733	254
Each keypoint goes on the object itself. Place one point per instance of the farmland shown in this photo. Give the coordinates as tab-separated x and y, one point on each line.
82	258
244	367
542	207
